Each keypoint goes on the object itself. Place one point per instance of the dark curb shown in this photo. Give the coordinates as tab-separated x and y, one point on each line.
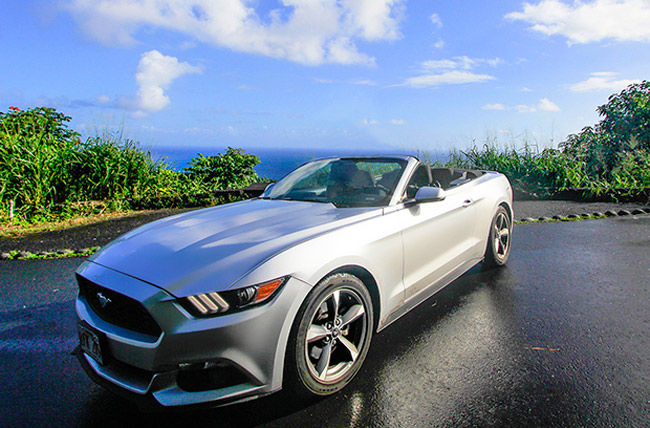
584	216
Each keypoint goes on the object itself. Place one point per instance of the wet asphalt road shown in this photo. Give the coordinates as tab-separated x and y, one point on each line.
560	337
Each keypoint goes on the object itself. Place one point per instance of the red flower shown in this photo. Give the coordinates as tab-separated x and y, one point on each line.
14	108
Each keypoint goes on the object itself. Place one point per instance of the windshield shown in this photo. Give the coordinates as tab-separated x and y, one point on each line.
358	182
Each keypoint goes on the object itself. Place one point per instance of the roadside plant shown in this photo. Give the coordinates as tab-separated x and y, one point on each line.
47	172
36	148
231	170
111	167
613	153
532	172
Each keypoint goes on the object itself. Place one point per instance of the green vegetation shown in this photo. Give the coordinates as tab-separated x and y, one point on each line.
26	255
611	159
233	170
47	173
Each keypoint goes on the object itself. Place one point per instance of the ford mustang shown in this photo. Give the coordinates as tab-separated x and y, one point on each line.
234	302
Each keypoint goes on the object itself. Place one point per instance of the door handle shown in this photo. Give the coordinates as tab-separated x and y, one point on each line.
467	203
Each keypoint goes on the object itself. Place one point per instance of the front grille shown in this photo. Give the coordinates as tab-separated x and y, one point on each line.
117	308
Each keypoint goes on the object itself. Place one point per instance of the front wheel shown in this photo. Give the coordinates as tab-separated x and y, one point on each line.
500	239
330	337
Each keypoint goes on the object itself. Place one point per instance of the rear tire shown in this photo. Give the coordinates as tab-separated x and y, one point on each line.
330	337
500	239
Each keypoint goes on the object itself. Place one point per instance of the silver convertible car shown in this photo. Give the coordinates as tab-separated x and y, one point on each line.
234	302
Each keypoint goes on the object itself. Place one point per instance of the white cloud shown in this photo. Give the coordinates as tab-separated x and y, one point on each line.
155	74
585	22
398	122
440	64
603	81
547	105
525	89
360	82
307	32
522	108
103	99
454	77
435	19
459	62
375	19
364	82
450	72
497	106
439	44
544	105
368	122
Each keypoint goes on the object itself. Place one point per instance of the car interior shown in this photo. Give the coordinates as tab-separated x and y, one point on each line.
445	178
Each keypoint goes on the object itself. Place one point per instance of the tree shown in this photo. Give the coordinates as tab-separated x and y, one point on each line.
627	117
623	135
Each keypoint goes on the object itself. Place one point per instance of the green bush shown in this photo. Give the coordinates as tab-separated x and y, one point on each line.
609	158
530	171
231	170
109	167
36	148
49	173
614	152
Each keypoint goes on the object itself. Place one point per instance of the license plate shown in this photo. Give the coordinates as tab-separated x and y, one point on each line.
90	343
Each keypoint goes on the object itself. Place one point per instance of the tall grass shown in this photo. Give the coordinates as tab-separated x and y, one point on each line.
542	173
46	171
35	150
532	172
109	167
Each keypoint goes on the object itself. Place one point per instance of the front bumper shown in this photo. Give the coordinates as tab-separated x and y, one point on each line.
218	360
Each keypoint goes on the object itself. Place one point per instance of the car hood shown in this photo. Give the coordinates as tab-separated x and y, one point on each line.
210	249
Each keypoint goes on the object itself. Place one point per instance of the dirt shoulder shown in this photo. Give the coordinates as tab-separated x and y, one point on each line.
100	233
86	236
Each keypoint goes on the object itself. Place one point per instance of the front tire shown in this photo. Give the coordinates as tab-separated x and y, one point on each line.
330	337
500	239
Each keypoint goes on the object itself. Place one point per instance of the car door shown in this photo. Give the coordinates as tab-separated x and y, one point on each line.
438	237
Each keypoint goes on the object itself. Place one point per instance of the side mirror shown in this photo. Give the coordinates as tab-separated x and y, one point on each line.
429	194
267	189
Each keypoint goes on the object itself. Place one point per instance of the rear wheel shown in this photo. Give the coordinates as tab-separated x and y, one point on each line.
499	241
330	338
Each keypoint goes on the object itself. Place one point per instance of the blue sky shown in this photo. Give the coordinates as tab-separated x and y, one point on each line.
430	75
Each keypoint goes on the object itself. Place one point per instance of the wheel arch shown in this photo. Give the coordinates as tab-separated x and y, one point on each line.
509	210
371	284
499	203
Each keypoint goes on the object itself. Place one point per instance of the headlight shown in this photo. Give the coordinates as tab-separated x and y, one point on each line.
225	302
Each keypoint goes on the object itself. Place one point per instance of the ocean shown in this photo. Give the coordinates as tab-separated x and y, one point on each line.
275	162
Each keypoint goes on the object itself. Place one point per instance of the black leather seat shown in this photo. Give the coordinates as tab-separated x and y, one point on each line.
442	176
